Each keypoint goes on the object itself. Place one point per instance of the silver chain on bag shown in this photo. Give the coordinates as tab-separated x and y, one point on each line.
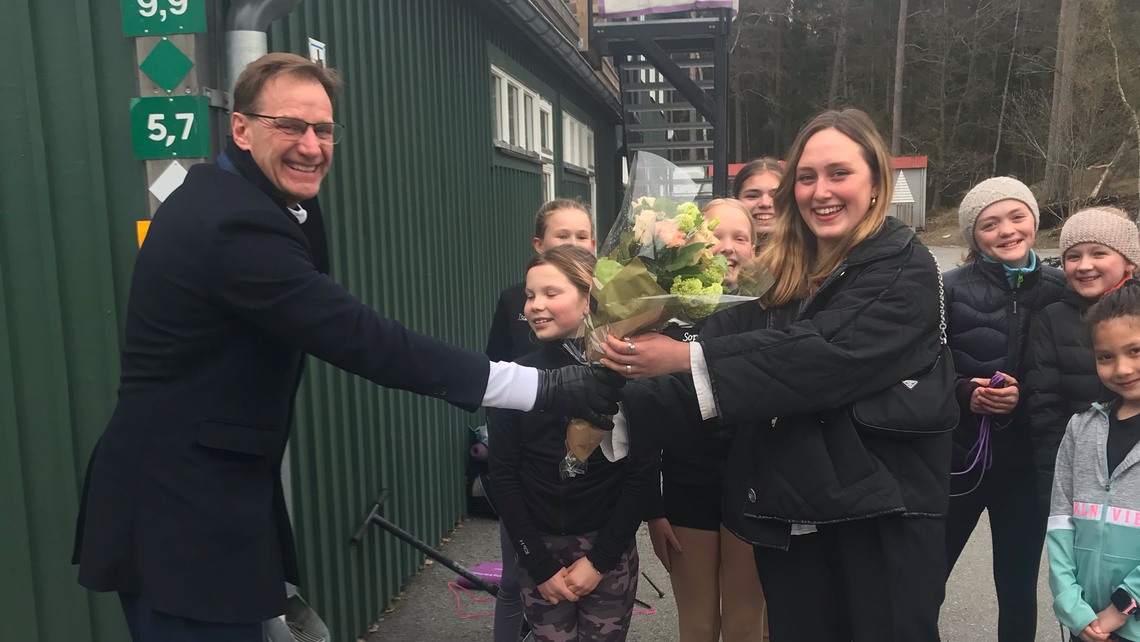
941	298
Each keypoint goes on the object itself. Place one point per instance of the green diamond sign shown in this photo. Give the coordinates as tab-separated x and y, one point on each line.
170	127
166	65
160	17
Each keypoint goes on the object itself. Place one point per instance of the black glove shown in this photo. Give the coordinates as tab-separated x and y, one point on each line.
586	392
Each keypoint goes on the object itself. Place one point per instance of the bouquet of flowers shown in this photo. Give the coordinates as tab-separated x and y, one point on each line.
656	269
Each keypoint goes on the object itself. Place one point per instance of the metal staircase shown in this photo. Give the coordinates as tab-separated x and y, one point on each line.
674	90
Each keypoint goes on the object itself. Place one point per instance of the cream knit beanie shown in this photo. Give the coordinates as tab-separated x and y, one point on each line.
987	193
1105	225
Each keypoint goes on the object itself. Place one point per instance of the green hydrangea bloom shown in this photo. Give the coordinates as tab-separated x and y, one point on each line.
696	308
688	217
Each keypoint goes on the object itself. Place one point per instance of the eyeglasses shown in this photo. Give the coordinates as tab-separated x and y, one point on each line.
295	128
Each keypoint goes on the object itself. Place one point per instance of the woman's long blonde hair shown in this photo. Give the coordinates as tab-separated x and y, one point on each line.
790	253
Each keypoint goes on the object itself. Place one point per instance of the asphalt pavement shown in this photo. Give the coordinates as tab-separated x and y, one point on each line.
428	609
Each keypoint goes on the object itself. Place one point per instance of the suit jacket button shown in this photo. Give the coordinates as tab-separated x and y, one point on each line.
751	496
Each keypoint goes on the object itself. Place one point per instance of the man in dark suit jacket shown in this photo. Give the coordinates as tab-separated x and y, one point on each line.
183	512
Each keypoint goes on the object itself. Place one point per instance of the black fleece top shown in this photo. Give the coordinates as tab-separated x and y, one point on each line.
1060	380
532	499
510	336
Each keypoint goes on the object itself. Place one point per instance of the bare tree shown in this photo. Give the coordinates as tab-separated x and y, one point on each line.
840	52
1005	87
1127	105
1057	156
900	61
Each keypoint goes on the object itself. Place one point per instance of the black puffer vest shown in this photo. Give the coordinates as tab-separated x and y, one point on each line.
988	329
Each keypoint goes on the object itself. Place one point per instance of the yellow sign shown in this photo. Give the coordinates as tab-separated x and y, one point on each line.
141	228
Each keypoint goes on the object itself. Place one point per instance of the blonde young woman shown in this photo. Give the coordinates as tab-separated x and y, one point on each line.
848	524
713	572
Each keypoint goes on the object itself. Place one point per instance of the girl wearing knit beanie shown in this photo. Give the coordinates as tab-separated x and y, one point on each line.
1100	249
990	301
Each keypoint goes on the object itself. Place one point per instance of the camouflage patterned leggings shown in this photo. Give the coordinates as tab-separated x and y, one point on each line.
601	616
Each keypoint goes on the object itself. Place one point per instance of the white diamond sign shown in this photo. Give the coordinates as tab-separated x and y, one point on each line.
168	181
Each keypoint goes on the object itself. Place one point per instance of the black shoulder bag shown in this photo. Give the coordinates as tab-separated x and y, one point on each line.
923	404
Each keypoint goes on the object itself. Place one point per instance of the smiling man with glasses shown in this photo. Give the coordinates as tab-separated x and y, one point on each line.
183	512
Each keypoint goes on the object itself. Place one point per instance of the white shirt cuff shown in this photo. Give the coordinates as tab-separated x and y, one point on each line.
511	386
701	381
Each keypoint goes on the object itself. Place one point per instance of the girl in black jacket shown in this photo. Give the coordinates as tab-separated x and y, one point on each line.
1100	248
574	537
562	221
846	521
989	303
713	573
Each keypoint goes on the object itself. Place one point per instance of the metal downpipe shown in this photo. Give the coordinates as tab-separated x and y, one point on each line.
246	39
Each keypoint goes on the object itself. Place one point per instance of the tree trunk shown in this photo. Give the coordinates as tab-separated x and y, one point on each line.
1128	105
1005	88
1060	121
1107	169
840	51
778	98
900	61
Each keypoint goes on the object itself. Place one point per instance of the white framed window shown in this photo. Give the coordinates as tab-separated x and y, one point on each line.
546	129
516	111
577	143
547	182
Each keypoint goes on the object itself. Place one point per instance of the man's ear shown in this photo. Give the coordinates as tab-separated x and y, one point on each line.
240	129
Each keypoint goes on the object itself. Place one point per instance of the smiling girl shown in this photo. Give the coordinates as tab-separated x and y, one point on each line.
755	186
712	571
574	537
1100	248
846	521
989	304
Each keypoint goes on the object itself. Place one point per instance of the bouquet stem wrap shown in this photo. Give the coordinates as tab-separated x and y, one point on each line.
656	268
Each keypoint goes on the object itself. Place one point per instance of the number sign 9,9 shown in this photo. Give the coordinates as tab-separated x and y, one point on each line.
161	17
175	127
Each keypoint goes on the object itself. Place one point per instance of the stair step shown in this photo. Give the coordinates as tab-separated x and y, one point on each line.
664	127
659	107
657	86
673	144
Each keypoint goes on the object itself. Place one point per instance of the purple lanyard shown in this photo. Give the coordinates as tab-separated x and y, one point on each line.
980	453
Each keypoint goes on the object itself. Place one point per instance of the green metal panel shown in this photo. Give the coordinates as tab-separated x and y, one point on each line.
426	222
69	196
427	227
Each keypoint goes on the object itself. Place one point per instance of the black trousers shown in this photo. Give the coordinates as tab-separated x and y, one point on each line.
872	580
1018	530
148	625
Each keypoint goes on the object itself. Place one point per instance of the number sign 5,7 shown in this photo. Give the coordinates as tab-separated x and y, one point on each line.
175	127
160	17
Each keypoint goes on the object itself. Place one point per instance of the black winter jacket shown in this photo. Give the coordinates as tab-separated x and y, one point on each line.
1060	379
510	336
987	329
786	377
532	500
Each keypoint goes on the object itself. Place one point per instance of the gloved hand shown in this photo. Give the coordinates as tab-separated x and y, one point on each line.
586	392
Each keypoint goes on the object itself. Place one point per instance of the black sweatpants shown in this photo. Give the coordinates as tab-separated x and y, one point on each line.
872	580
1018	530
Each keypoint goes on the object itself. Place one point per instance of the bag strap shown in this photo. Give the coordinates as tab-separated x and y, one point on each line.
941	298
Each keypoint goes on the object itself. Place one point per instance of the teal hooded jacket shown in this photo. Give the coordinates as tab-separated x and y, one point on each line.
1093	536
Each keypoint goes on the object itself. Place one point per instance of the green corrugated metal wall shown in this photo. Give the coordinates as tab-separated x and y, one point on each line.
426	222
69	196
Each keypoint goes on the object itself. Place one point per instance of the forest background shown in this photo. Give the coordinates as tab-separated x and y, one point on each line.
1044	90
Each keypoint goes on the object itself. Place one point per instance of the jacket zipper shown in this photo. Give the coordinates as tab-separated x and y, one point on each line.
831	278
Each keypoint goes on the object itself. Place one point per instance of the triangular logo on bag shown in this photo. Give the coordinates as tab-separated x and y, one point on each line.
909	383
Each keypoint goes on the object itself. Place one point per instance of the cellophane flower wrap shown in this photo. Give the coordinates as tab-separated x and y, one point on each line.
655	269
